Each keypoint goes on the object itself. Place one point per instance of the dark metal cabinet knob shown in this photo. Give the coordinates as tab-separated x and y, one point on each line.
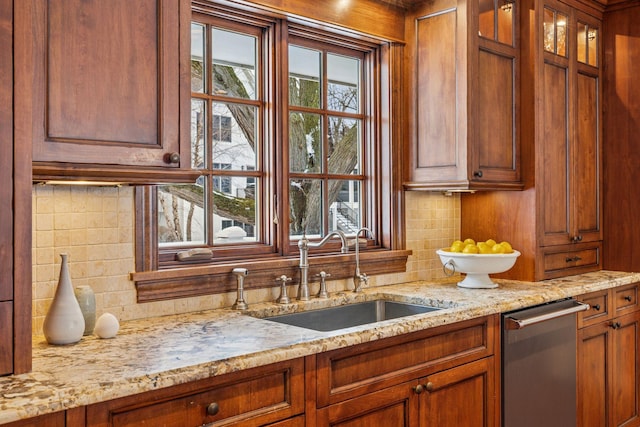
596	307
477	174
172	158
418	389
213	408
628	298
430	386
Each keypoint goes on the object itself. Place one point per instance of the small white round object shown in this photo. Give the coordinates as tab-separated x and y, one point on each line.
107	326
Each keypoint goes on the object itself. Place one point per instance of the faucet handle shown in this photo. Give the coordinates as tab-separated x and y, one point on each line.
240	274
322	293
359	280
283	298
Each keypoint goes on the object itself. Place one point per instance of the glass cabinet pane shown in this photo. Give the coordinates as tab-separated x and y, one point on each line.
587	44
486	18
495	20
592	43
505	21
555	32
561	34
549	29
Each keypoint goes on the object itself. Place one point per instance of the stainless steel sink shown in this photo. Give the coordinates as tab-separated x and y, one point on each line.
346	316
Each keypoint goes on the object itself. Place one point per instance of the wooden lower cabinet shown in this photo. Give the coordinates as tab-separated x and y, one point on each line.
609	361
56	419
459	397
396	406
445	376
255	397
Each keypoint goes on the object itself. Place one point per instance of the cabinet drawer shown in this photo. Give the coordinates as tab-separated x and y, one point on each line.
625	299
567	260
354	371
599	308
256	396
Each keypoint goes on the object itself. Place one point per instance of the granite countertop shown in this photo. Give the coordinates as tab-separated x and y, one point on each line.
159	352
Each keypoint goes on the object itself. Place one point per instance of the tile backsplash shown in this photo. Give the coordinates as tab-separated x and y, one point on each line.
95	226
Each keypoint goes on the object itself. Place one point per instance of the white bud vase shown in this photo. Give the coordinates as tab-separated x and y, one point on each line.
64	323
87	301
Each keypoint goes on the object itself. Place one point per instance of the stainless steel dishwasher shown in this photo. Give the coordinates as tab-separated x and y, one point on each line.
539	365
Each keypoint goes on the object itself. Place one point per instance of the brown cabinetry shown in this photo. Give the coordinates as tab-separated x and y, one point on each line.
15	231
609	359
556	221
416	379
255	397
106	87
464	62
56	419
621	39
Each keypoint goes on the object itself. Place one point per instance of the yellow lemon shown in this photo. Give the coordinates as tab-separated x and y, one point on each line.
470	249
483	248
490	242
507	247
456	246
497	248
469	242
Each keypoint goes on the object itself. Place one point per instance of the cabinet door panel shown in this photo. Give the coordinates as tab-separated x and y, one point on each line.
625	399
587	155
6	337
395	406
6	152
461	397
437	98
555	158
593	350
496	140
101	80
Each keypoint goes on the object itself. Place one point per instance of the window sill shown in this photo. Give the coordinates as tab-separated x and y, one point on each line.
217	278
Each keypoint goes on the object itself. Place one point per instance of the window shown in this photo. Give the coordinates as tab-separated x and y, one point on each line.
285	148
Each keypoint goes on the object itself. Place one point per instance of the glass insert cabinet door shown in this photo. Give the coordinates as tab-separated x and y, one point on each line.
587	44
496	19
555	32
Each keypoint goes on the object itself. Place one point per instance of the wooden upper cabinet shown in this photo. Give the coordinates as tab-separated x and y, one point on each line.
556	221
464	61
107	87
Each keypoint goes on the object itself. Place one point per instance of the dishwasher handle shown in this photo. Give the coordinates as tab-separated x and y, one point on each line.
513	323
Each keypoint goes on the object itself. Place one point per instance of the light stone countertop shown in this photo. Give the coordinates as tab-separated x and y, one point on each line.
159	352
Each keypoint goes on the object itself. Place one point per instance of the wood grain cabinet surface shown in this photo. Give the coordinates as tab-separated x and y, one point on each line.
416	379
15	229
107	87
556	222
463	58
253	397
609	359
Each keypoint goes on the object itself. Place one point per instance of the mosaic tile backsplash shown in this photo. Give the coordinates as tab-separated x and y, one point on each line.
95	226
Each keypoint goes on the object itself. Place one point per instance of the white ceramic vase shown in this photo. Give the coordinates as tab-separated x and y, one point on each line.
64	323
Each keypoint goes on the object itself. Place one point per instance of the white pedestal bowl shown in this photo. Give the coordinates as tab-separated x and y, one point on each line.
477	267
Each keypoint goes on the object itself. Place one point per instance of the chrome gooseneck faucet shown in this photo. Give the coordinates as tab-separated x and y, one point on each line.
304	245
360	279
